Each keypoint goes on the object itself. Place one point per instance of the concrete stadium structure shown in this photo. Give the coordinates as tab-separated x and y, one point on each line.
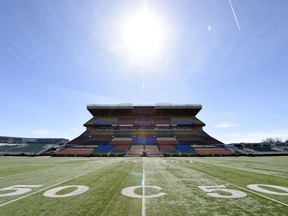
144	130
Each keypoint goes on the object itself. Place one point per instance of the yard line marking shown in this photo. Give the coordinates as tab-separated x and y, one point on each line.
243	169
143	189
19	198
244	189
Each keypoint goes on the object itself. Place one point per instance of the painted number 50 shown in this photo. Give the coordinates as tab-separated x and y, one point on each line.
220	191
17	190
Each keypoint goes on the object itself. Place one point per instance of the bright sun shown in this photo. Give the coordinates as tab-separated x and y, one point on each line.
143	35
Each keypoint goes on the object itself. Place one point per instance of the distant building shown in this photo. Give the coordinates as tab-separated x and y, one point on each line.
29	146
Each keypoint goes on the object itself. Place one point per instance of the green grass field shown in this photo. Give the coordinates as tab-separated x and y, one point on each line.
171	186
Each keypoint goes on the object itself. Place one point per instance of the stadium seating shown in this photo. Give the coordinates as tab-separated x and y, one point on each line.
166	147
259	148
178	121
167	141
7	148
101	134
165	134
122	134
106	121
4	139
25	149
262	148
162	121
102	150
170	153
122	147
187	133
140	133
213	151
75	152
186	150
127	130
189	140
136	150
144	140
99	141
144	122
117	153
183	147
152	150
121	141
126	121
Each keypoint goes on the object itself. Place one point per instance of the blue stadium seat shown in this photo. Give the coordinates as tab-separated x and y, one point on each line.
104	147
144	140
183	147
105	123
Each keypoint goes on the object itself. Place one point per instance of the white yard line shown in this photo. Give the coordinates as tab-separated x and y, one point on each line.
250	191
143	189
19	198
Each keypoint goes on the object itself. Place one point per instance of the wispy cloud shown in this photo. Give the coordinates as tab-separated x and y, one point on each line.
260	135
257	136
225	125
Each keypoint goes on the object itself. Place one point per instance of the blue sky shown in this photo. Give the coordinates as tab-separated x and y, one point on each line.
58	56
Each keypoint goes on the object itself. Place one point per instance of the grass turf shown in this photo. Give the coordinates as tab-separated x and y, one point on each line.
178	178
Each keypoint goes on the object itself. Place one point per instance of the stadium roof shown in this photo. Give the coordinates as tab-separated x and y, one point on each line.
157	109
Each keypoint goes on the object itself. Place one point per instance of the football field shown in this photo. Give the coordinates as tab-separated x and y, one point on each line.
144	186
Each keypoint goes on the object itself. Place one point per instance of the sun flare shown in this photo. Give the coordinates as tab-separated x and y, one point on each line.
143	35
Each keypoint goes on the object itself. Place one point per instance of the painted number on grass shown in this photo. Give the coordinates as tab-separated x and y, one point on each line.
217	191
22	189
130	192
17	190
257	187
220	191
53	192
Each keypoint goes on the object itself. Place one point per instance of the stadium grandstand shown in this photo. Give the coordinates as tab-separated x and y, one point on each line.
145	130
18	146
260	149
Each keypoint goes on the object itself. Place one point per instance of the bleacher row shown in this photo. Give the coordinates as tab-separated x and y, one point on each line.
155	121
14	146
144	137
260	148
25	149
166	146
